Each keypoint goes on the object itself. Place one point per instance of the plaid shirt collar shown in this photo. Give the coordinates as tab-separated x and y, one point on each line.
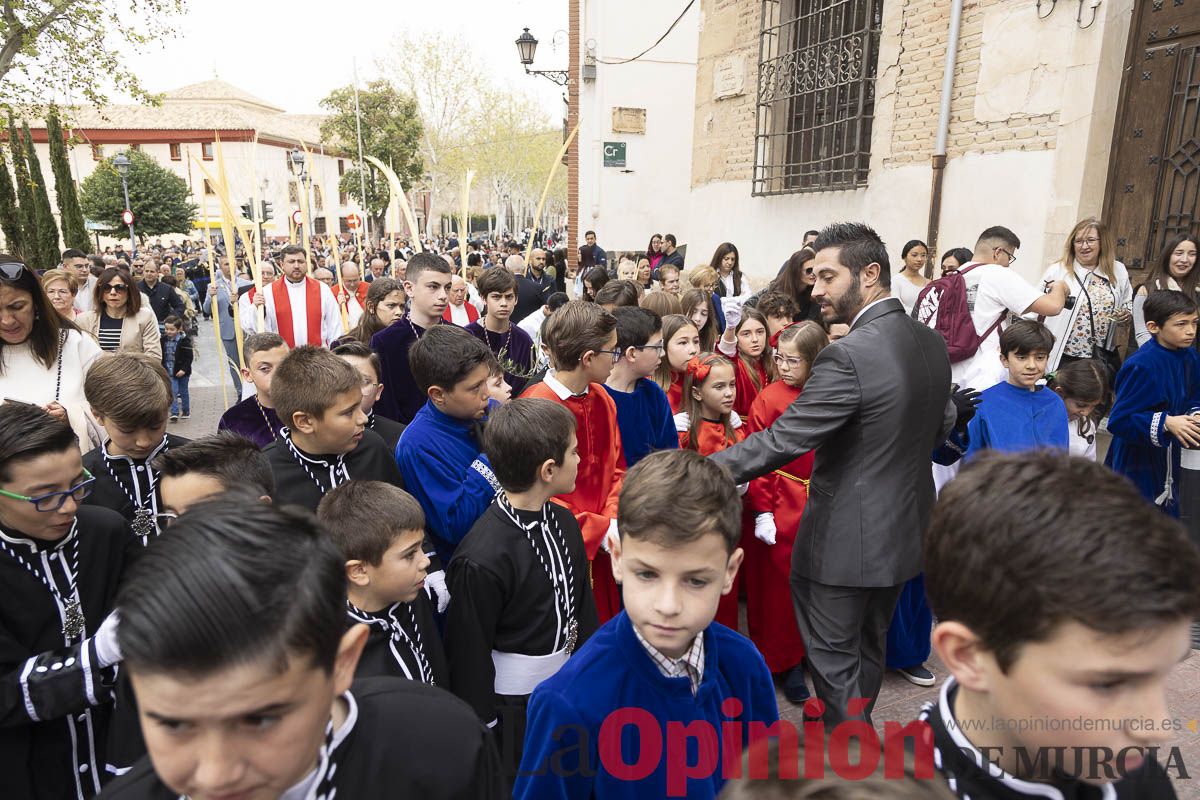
690	664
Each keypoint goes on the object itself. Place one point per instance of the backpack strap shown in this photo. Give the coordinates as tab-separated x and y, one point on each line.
1003	314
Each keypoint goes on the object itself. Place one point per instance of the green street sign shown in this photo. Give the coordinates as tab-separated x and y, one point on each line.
614	154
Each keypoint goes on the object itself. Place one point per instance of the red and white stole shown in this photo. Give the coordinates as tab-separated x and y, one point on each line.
312	307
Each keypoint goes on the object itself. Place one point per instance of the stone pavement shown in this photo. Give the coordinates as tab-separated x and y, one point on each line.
899	700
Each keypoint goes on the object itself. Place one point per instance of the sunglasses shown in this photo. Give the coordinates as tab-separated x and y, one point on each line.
119	288
12	270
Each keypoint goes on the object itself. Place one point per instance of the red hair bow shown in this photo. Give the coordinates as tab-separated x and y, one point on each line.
774	340
697	369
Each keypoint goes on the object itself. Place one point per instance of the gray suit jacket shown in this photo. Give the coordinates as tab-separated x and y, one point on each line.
874	408
224	313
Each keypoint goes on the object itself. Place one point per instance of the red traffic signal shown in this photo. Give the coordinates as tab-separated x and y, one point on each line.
127	217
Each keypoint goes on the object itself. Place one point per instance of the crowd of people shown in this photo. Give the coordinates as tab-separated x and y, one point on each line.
483	523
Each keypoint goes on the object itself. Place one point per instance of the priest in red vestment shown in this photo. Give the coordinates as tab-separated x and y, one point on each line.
354	289
299	308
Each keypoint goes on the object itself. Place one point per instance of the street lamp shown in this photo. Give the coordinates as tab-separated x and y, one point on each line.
122	164
297	164
526	47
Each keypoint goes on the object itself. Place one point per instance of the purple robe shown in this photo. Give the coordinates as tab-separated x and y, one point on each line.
518	351
247	419
402	398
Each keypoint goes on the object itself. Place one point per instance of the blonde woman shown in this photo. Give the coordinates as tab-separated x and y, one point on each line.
61	287
1100	288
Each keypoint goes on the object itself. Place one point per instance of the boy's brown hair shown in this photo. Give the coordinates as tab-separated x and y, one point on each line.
258	342
776	304
1026	336
703	500
131	389
1051	539
310	380
579	327
495	280
523	434
363	518
356	349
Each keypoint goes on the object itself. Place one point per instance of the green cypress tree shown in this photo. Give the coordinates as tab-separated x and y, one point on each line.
47	230
10	217
24	195
74	233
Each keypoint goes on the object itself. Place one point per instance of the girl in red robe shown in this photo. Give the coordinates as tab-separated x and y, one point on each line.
774	505
746	344
706	426
681	342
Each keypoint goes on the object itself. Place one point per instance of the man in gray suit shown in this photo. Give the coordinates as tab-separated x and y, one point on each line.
220	289
874	408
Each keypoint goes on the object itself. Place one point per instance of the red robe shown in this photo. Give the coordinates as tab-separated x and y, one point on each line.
746	390
769	612
601	471
360	293
675	392
713	439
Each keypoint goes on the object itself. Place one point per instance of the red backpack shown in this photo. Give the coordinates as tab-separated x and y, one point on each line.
942	305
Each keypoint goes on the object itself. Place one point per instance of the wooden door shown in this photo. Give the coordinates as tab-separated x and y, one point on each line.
1154	174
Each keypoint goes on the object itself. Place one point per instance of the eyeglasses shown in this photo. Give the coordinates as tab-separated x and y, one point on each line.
12	270
659	348
53	501
119	288
1011	257
787	361
616	354
1089	242
368	385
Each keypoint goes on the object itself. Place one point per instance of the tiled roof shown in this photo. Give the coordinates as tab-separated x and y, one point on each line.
217	91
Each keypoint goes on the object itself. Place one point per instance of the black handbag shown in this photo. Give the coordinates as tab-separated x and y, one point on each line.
1105	352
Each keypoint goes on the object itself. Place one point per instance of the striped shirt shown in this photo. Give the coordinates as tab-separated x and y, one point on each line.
110	333
690	664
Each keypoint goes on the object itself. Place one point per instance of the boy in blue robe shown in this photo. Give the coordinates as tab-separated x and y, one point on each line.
1020	415
661	680
643	412
1157	393
440	453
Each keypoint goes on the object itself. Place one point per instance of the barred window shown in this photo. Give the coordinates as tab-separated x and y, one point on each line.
816	94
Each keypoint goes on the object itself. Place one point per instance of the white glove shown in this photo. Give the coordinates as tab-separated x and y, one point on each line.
735	421
683	422
435	587
764	527
610	536
108	651
733	314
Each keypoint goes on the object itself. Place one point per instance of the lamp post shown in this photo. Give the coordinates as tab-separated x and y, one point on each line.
122	164
526	47
297	164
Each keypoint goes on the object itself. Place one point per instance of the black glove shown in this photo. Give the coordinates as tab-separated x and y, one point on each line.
965	402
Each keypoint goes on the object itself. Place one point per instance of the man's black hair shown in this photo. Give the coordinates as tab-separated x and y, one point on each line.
635	326
445	355
999	233
426	262
233	582
588	233
669	237
73	252
27	431
1162	305
1026	336
233	460
859	245
811	233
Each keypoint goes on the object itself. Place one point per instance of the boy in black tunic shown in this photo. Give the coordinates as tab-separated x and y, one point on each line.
130	395
1064	601
522	603
233	628
379	530
366	361
324	442
59	567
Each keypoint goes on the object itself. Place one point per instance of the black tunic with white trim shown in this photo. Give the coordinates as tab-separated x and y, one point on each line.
403	643
400	739
971	777
54	700
304	479
138	481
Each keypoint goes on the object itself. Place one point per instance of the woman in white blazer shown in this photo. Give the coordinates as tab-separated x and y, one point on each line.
1099	286
119	320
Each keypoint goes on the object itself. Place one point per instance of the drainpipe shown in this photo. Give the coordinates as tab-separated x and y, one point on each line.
939	153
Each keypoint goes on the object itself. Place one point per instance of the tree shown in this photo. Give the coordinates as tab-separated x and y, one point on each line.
10	215
75	48
24	193
391	131
47	230
74	233
158	197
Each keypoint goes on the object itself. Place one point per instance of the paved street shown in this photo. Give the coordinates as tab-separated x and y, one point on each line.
205	388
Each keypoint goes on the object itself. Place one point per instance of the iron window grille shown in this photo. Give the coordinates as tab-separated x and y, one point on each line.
816	94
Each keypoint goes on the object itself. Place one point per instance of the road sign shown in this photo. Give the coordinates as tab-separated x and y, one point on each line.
127	217
614	154
297	217
353	221
92	225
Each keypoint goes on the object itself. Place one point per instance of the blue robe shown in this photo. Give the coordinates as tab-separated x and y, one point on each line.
912	623
613	671
645	420
1014	420
445	469
1154	383
402	398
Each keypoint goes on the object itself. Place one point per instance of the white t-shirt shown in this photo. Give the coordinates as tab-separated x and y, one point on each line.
991	290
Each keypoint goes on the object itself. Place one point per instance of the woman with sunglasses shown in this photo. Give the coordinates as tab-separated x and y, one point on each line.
43	357
119	320
796	280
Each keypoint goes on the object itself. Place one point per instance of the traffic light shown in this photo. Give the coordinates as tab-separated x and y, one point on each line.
248	210
268	212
